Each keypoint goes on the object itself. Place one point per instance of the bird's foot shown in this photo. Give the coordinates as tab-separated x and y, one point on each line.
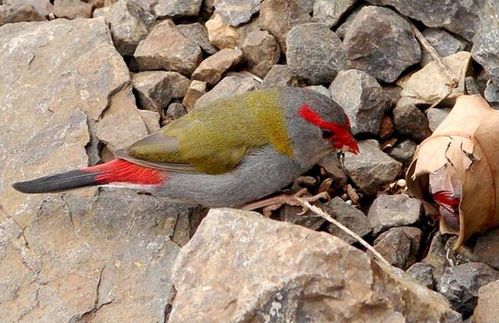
274	203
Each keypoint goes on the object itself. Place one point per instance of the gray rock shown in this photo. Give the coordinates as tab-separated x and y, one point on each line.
229	86
399	246
381	43
212	68
410	121
491	93
72	9
315	53
320	89
167	48
460	284
389	211
422	273
279	76
176	110
349	216
486	41
362	98
331	164
177	8
276	271
18	13
291	214
194	92
261	52
236	12
435	117
279	16
459	16
404	151
330	12
486	247
198	33
371	168
154	90
129	24
487	308
444	43
151	120
178	84
42	7
342	29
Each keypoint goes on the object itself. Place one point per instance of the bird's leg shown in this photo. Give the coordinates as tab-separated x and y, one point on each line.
273	203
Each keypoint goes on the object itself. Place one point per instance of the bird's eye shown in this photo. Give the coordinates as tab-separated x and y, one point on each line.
326	134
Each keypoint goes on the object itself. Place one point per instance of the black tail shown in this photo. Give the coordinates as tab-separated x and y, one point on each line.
57	183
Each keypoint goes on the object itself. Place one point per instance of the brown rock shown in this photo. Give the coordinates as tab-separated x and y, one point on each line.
42	7
234	84
303	275
221	34
198	33
279	76
178	84
330	12
194	92
177	8
176	110
167	48
151	120
18	13
72	9
261	52
236	12
154	90
487	308
399	246
486	248
211	69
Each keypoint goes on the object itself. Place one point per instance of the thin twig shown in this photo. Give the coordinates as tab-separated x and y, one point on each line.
329	218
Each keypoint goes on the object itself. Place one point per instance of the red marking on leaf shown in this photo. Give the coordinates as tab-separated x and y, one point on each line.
122	171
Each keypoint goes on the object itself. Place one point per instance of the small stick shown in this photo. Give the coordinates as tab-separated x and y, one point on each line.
329	218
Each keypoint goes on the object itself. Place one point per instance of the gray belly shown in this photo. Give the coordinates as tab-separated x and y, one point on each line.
259	174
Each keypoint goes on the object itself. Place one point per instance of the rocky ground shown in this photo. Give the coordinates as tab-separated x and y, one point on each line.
80	79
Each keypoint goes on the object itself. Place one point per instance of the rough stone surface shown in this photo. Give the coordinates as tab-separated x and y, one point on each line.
236	12
221	34
167	48
154	90
486	248
381	43
43	7
72	9
404	151
291	214
178	84
198	33
261	52
176	110
486	41
18	13
371	168
177	8
487	309
459	16
349	216
399	246
491	93
410	121
342	29
258	273
460	284
435	117
422	273
279	16
330	12
393	211
444	43
194	92
279	76
229	86
151	120
320	89
315	53
211	69
362	98
129	24
65	257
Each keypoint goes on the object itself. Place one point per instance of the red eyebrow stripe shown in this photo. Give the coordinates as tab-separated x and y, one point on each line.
309	115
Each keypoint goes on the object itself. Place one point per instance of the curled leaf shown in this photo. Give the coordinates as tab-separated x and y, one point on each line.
458	167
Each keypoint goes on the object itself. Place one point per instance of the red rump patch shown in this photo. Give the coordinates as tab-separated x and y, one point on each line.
307	113
122	171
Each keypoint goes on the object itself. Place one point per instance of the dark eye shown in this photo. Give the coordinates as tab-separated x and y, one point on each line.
326	134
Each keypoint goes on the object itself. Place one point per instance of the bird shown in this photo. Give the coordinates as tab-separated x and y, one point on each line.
226	153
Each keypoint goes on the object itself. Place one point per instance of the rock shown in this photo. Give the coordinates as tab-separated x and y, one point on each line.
198	33
77	255
178	84
486	248
320	89
196	90
362	98
167	48
229	86
332	166
399	246
410	121
279	16
237	12
381	43
371	168
435	117
129	24
422	273
177	8
154	90
491	93
487	308
352	218
486	41
460	284
261	52
404	151
291	214
444	43
342	29
280	76
42	7
72	9
330	12
287	282
389	211
437	255
315	53
151	120
176	110
221	34
460	16
18	13
211	69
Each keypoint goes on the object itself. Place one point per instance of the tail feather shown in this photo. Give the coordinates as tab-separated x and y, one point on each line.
115	171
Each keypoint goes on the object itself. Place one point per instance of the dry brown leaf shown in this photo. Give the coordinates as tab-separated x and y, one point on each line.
466	142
